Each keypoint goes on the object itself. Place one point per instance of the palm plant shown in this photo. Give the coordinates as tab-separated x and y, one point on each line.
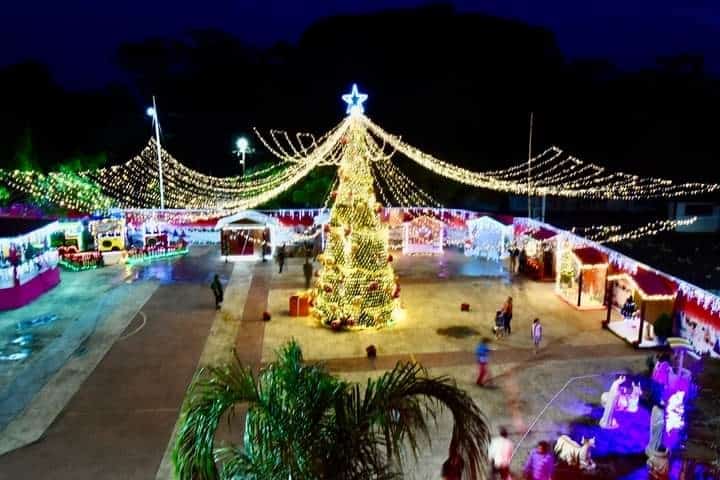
304	423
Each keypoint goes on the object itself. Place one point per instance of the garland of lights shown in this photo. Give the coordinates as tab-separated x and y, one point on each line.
609	233
617	185
135	184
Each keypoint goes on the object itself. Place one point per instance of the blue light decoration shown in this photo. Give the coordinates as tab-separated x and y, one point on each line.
355	101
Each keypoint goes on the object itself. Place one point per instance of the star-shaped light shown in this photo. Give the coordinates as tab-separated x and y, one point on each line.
354	100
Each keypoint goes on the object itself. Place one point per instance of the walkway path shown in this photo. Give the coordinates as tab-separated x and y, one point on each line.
118	424
237	327
557	351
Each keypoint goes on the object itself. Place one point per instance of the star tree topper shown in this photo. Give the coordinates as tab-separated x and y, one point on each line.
354	100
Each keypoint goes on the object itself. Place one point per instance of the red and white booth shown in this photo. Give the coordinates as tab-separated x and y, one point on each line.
28	263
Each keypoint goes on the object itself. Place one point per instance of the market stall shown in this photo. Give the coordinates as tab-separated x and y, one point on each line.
245	234
582	276
423	235
395	218
28	263
456	230
654	296
488	238
537	253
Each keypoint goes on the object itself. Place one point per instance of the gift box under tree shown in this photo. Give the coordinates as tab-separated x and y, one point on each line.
299	306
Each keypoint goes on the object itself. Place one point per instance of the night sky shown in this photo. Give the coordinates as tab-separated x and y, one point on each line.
78	38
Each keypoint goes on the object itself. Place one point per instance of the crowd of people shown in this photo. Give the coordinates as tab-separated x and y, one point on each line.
540	464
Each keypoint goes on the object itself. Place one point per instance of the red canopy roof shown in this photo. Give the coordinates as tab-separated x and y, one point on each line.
652	283
591	256
542	233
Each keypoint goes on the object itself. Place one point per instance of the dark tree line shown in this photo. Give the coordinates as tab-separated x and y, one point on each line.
459	86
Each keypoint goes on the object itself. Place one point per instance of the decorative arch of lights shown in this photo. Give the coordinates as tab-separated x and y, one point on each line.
134	184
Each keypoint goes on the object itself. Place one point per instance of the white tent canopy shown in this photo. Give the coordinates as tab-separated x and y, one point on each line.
488	238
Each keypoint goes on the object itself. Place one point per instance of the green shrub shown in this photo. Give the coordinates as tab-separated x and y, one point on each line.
664	326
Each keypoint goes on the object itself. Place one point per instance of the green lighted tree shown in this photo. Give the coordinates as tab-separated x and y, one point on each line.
357	283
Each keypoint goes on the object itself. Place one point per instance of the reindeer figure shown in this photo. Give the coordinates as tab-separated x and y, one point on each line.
574	454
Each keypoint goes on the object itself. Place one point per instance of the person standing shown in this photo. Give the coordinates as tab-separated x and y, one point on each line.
540	464
536	334
217	290
281	257
482	352
514	259
500	454
507	312
307	271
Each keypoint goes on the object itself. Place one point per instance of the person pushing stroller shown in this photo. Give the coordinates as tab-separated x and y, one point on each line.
503	318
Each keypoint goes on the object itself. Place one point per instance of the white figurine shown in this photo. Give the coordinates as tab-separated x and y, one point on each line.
575	454
610	404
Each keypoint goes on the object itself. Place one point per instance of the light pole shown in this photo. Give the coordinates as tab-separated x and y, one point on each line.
529	167
242	147
152	112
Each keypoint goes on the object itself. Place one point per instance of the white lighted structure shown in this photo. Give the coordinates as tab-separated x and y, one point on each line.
488	238
355	101
423	236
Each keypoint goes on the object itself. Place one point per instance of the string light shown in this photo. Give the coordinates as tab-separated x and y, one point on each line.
134	184
135	257
609	233
567	183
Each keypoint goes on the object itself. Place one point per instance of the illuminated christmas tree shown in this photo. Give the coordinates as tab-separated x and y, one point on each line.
356	286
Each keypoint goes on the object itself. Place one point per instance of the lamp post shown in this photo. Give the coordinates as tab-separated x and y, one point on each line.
529	166
242	147
152	112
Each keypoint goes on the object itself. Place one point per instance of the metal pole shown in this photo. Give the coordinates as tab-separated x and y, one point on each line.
243	163
159	155
544	195
528	168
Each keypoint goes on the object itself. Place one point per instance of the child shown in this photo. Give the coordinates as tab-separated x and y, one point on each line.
482	352
536	334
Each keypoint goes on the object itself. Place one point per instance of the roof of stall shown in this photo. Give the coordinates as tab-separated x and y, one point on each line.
491	219
15	227
247	217
591	256
542	233
652	283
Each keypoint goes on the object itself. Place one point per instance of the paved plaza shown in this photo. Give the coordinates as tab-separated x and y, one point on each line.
110	411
